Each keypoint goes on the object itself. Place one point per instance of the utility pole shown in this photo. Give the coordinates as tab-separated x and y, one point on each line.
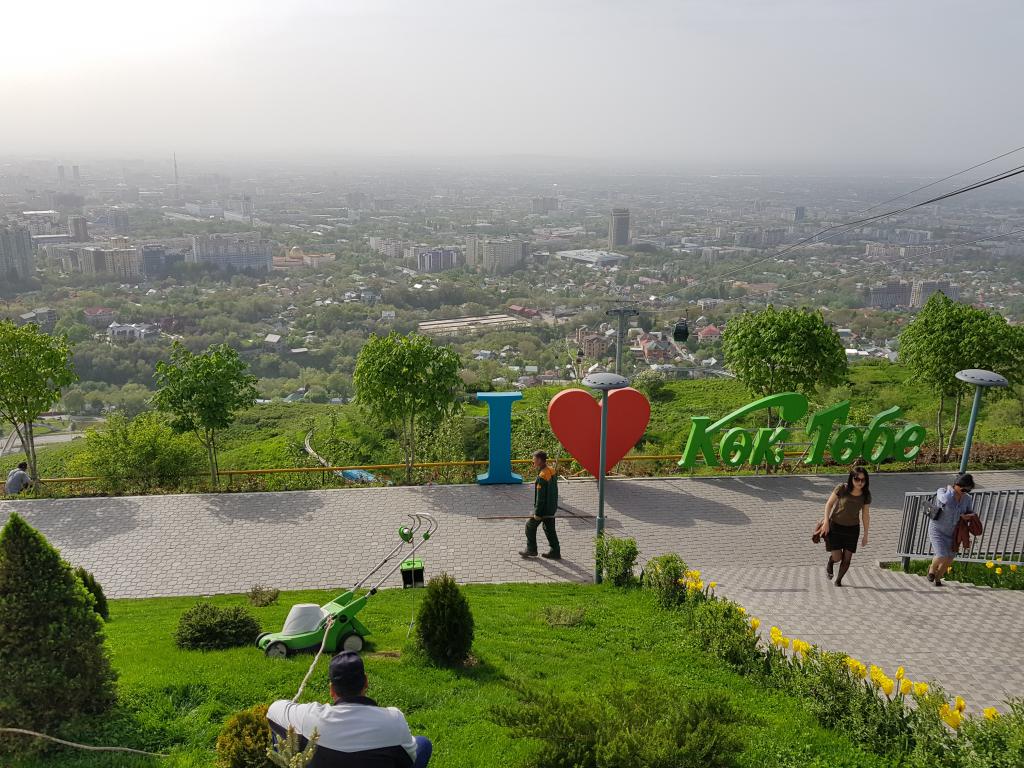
623	313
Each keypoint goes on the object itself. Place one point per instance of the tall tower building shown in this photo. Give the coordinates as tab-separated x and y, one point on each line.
618	228
78	229
247	250
15	252
60	175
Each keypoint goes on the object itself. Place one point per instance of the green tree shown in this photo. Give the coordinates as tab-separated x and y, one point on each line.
947	337
788	350
408	382
34	368
54	662
203	393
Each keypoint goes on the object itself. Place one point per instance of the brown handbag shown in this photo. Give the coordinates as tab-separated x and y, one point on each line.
816	536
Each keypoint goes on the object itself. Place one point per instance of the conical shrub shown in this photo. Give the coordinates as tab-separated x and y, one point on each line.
53	664
445	624
96	590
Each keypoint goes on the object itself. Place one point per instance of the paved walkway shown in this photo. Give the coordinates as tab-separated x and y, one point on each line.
751	534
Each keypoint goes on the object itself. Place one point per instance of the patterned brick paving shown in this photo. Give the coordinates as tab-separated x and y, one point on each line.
750	534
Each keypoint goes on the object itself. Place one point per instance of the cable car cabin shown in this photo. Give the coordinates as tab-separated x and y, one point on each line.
681	332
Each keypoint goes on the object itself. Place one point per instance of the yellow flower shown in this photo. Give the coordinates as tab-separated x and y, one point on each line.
713	584
920	689
679	581
775	632
999	571
887	686
905	686
950	716
900	672
742	610
960	704
990	564
755	623
802	647
1013	568
784	642
991	713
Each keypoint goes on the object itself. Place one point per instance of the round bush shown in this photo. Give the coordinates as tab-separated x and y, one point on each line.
244	740
664	575
444	626
723	631
206	627
94	588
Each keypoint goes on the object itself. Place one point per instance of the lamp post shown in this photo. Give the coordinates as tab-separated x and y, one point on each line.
980	379
605	382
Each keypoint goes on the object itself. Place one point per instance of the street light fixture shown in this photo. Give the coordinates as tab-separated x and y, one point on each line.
980	379
605	382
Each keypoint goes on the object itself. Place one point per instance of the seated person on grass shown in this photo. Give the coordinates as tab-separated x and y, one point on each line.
353	731
17	480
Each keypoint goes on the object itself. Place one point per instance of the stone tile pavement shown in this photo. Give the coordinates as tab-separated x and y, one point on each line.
751	534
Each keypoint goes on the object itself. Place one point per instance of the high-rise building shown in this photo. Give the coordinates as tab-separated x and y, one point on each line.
121	263
437	260
799	213
78	229
618	228
74	174
60	175
543	205
494	254
15	252
893	293
923	289
247	250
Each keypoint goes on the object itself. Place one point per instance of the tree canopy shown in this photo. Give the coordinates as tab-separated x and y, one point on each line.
203	392
409	383
947	337
34	368
788	350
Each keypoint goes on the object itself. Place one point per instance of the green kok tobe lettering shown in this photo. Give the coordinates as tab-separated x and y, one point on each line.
739	446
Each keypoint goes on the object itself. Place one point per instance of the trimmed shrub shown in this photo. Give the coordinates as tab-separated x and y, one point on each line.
244	740
207	627
444	625
640	726
721	629
93	588
616	558
53	663
261	596
664	575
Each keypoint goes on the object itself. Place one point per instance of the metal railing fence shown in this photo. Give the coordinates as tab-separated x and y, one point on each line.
1002	518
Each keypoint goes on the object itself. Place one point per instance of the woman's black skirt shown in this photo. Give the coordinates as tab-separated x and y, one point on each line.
842	537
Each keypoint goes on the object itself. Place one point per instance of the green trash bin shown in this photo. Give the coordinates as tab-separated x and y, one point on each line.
412	573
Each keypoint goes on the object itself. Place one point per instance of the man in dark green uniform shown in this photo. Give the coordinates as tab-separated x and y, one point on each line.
545	502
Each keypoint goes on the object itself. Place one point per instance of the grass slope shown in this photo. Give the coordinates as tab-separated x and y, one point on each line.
176	701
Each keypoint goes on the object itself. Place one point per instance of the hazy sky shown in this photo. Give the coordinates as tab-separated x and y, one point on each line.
809	83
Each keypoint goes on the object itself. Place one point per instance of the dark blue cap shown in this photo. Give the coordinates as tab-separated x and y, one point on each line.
347	671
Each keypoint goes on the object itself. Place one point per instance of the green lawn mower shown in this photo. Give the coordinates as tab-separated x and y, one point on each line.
306	623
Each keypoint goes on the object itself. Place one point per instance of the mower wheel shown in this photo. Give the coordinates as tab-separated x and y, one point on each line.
351	642
262	635
276	650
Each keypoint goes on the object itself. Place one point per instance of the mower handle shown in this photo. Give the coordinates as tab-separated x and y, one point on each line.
405	535
432	526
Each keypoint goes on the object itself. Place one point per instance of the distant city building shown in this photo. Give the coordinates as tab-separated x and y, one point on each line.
121	332
618	228
158	259
78	229
592	257
594	345
494	255
772	237
799	213
412	252
893	293
44	317
542	205
122	263
437	260
99	317
923	289
15	252
356	200
247	250
465	326
387	246
74	174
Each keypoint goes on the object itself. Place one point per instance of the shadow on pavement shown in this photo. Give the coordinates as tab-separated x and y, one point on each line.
78	523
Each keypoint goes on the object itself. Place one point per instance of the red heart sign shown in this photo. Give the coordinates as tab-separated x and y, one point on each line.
575	418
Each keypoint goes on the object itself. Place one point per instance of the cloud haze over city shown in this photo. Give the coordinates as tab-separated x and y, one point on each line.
815	84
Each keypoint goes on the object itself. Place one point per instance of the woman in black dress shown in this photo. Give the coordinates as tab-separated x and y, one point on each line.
846	506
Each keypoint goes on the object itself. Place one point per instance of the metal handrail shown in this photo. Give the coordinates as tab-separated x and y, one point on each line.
1002	519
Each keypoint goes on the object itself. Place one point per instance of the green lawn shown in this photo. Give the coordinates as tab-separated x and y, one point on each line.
176	701
999	575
